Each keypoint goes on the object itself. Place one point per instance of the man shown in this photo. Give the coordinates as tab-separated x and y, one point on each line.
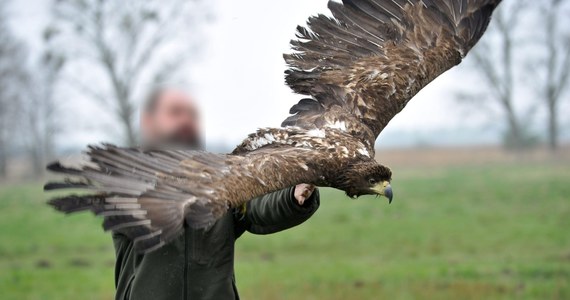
198	265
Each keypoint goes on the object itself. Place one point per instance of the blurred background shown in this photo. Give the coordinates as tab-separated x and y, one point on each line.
480	157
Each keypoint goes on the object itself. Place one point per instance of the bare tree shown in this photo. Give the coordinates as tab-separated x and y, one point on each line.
555	64
129	44
40	122
494	59
12	74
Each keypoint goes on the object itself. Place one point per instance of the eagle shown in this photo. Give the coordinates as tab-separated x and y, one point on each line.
357	67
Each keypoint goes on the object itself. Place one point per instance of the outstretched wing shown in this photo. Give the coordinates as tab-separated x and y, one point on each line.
149	195
365	63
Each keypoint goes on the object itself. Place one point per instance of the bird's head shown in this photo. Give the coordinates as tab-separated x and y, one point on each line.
366	178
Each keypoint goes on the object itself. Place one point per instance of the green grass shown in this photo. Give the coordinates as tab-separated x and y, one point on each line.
498	232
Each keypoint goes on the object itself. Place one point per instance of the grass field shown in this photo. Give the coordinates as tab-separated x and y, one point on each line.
485	232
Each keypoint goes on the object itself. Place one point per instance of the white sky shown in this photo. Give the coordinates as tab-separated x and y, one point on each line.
239	80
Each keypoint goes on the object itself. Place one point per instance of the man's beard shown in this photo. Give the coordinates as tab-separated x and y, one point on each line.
178	140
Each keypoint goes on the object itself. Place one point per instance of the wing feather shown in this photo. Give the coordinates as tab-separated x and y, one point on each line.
146	195
373	56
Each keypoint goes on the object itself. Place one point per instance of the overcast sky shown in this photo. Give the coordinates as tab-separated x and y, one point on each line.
239	78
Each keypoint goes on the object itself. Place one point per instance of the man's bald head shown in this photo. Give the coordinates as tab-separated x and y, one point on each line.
171	117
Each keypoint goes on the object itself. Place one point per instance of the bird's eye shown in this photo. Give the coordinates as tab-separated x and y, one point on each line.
372	181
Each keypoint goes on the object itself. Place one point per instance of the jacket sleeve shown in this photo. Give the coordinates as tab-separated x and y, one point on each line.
125	265
277	211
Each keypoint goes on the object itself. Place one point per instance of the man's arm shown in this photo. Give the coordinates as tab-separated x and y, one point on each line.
124	265
279	210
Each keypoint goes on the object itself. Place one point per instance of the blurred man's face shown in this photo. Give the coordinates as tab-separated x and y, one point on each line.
174	120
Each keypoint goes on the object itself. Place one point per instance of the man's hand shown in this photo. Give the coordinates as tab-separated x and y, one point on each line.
303	192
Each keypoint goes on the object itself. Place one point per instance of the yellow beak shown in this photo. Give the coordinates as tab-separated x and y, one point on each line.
384	189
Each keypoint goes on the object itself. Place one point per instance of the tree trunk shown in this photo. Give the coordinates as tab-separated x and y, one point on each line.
3	159
38	163
552	126
36	148
516	136
130	133
552	83
126	113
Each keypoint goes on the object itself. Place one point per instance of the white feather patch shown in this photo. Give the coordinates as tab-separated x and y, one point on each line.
270	137
316	133
364	152
338	125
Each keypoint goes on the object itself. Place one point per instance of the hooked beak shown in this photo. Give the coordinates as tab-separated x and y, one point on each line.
384	189
388	193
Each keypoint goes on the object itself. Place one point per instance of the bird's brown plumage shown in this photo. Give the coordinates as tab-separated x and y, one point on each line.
365	64
359	67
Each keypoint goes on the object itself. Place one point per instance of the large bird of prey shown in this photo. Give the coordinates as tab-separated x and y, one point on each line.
358	67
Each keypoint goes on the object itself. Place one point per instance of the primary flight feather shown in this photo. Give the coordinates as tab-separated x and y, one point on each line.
358	67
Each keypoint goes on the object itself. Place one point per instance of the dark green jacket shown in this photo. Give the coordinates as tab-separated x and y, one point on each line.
199	265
